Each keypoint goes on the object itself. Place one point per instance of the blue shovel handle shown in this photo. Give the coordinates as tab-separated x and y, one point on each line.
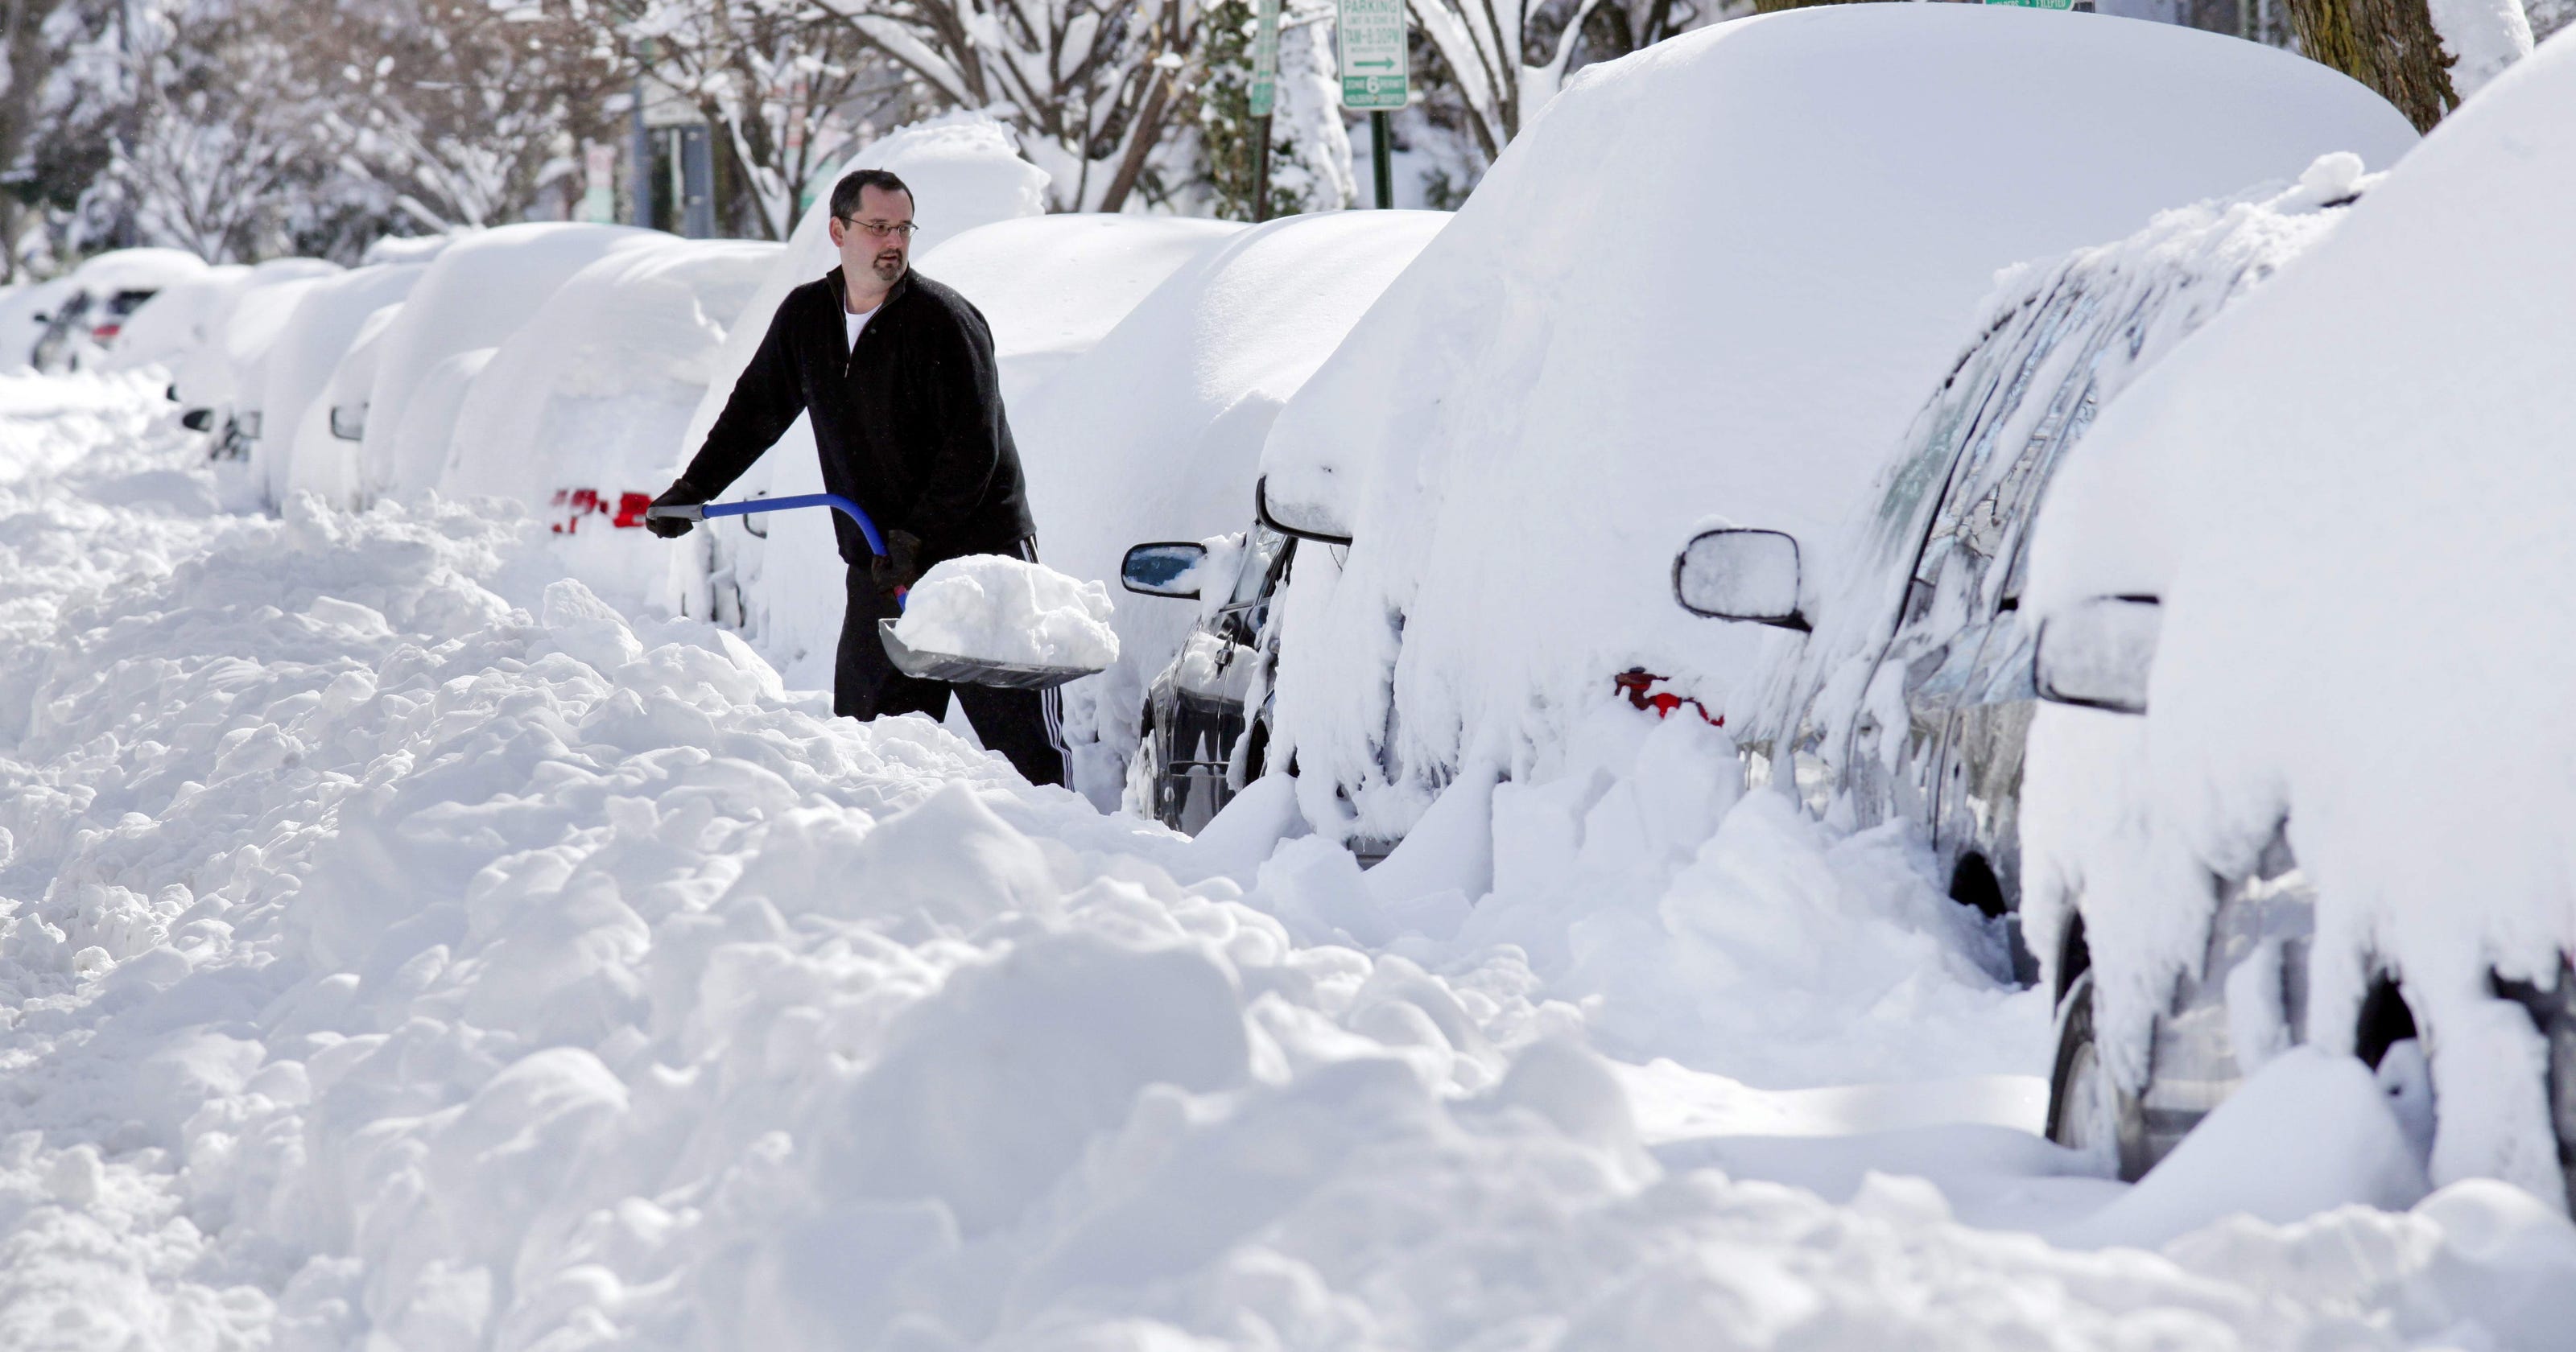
852	510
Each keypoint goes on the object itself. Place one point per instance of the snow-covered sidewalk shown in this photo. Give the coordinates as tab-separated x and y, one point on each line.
399	948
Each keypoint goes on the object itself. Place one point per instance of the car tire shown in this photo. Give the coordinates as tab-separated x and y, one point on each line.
2088	1111
1145	789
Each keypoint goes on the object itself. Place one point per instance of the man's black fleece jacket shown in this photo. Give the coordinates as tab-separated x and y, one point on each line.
909	425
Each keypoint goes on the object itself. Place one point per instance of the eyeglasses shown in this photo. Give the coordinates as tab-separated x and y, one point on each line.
880	229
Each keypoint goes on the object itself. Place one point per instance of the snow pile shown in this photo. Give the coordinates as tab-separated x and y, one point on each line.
1714	277
1155	433
785	588
391	962
477	292
995	608
1054	286
2351	494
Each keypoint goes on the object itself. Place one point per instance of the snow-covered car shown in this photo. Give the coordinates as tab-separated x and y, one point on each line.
2324	547
1907	693
1205	730
325	316
576	415
477	292
1154	433
1717	276
214	340
25	314
103	294
174	323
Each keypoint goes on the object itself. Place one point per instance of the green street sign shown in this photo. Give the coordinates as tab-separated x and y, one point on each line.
1265	58
1368	40
2035	4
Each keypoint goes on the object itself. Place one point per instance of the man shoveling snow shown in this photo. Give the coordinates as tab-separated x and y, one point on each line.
897	373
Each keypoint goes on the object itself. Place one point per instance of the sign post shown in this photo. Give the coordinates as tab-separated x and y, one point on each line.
1265	99
1368	40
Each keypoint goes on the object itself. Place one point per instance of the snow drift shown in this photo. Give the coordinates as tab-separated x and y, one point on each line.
1714	277
2351	494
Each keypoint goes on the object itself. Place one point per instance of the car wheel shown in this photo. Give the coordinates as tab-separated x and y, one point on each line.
1145	789
2088	1111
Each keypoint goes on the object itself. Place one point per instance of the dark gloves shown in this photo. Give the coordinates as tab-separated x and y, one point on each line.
899	567
681	493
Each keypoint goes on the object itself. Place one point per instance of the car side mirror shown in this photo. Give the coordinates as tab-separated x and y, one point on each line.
349	422
41	318
2097	654
1300	521
1163	569
1732	574
197	419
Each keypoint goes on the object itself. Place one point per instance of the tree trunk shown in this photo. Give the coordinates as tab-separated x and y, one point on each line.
2388	45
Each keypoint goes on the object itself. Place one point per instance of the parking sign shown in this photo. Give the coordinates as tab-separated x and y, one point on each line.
1368	38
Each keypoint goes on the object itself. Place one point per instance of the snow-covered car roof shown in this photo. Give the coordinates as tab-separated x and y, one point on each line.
2353	495
1053	286
137	270
596	388
174	322
1716	276
477	293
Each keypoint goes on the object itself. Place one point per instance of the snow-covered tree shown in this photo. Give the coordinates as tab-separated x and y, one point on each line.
1310	150
1488	46
789	88
1093	87
2423	57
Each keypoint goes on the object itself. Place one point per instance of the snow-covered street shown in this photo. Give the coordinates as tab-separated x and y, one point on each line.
401	948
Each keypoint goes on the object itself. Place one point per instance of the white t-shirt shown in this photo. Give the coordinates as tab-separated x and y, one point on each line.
857	324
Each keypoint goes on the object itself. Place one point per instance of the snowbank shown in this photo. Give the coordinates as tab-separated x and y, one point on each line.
580	409
999	609
1714	277
785	588
477	292
1154	433
2351	494
1053	286
399	947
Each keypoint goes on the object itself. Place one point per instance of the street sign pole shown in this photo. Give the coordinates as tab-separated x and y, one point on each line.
1368	37
1265	99
1382	158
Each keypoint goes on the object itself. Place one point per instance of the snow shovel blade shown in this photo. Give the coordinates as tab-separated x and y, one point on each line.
950	667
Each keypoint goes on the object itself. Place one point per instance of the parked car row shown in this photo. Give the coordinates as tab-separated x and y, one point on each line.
2198	889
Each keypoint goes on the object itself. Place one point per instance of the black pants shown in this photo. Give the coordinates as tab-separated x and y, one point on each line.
1026	726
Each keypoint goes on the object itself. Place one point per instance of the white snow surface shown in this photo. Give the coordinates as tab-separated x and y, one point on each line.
477	292
325	463
402	948
995	608
2482	37
1712	280
2350	493
1156	432
1053	286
